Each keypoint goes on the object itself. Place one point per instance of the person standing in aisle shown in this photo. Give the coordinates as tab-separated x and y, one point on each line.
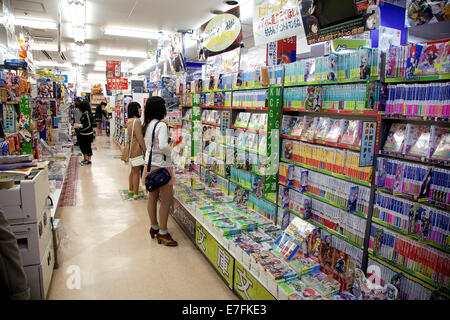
76	119
99	114
135	147
86	132
154	113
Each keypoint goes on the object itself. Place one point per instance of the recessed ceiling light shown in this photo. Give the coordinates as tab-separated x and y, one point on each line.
132	33
231	2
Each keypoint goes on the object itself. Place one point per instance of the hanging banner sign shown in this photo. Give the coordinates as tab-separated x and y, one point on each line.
113	69
220	34
275	20
117	84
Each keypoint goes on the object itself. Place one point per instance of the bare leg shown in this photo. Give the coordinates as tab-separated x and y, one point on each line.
166	202
130	180
135	171
151	207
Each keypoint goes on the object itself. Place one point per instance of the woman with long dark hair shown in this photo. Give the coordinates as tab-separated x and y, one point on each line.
134	147
154	113
86	132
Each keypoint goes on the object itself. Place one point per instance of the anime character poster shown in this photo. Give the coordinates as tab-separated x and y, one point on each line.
419	12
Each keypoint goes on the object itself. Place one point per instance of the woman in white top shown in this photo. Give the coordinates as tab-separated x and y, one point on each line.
154	113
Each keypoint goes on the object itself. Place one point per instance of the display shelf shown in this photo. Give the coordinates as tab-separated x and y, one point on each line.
445	291
333	174
328	82
249	108
325	143
215	107
186	120
211	124
55	195
406	274
337	234
245	149
183	106
292	211
249	130
331	203
423	201
419	79
225	244
11	102
440	164
368	112
414	118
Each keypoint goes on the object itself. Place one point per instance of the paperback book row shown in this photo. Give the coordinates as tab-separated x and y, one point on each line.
253	142
429	224
418	141
419	100
217	99
414	180
250	99
344	162
350	226
407	288
185	100
410	254
415	60
214	163
260	77
357	65
211	116
252	121
344	194
350	97
323	129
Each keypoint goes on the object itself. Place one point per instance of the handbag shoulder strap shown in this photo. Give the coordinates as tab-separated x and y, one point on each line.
131	139
151	149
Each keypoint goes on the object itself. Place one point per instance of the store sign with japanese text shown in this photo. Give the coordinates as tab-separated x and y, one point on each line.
117	84
113	69
215	253
221	34
247	287
369	136
275	20
282	51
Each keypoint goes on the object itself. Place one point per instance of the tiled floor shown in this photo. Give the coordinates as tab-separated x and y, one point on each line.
107	238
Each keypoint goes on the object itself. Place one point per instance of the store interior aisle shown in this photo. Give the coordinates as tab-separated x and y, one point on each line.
107	240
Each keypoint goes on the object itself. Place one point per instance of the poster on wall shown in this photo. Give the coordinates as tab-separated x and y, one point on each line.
113	69
220	34
326	20
420	12
282	51
388	37
275	20
224	63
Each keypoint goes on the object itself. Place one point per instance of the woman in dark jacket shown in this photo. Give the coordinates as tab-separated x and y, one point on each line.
86	132
99	114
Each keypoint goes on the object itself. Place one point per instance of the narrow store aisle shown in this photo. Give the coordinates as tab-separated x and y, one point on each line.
108	240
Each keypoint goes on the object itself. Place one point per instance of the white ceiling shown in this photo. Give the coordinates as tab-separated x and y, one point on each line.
167	15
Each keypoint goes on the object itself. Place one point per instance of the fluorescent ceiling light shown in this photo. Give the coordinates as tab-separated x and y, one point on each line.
81	54
46	47
77	9
119	53
132	33
102	64
33	23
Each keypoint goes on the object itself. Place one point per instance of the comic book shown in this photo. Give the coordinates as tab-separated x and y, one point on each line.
396	137
442	151
391	61
415	50
298	126
309	127
263	122
417	140
444	59
428	59
352	132
321	129
287	125
254	121
287	149
436	135
242	119
336	130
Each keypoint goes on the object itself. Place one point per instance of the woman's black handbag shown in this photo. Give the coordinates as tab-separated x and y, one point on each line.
159	177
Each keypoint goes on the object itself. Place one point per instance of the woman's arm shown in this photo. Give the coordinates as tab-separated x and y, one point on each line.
139	135
163	138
